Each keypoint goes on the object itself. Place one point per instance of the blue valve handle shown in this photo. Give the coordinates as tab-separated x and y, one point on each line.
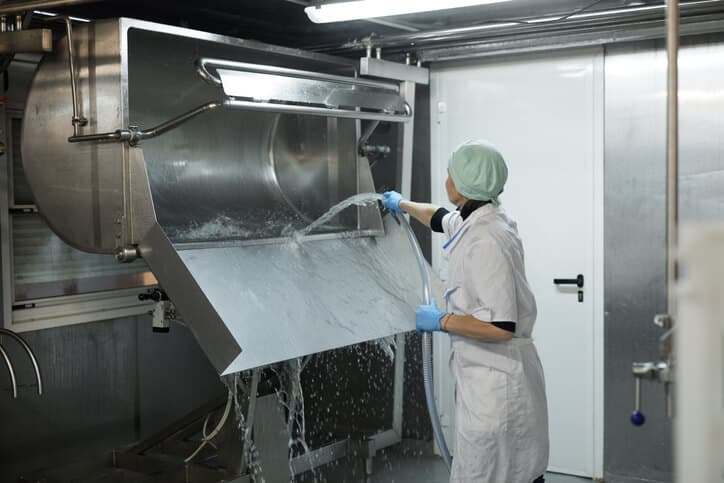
637	418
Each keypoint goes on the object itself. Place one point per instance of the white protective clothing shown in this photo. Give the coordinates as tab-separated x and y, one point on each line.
500	402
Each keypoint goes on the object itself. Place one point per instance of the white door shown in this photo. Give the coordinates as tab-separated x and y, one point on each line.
545	114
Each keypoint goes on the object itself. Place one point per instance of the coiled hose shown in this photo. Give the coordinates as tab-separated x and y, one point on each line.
427	347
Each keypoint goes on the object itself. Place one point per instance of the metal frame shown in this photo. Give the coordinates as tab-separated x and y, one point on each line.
57	311
5	236
134	135
384	439
369	447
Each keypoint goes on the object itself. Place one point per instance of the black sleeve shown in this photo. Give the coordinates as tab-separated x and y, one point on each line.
436	220
509	326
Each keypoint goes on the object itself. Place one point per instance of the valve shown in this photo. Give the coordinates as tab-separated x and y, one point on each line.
157	295
661	371
163	311
637	418
654	371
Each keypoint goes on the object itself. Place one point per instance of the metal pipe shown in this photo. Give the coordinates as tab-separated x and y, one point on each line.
549	42
366	134
30	353
11	371
118	135
134	135
40	5
672	149
78	119
427	348
176	121
611	18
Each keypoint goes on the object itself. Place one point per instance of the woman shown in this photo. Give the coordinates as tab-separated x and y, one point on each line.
500	404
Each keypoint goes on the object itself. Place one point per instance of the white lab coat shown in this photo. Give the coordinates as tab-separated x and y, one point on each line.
500	402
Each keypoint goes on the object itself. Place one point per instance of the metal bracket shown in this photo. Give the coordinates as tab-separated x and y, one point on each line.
78	118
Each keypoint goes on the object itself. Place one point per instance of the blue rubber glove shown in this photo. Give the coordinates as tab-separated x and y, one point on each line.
391	201
428	318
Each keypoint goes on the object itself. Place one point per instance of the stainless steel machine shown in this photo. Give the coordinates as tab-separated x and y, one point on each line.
202	154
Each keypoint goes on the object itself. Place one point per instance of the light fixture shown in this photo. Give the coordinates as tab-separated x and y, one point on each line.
359	9
43	13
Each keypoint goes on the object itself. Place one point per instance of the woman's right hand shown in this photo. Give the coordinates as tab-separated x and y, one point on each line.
391	201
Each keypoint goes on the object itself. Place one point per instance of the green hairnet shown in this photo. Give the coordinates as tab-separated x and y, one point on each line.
478	171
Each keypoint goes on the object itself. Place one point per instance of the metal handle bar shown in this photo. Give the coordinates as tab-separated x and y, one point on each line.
204	64
9	365
134	135
578	281
30	353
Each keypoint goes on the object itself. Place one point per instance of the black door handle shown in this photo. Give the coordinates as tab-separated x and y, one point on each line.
578	281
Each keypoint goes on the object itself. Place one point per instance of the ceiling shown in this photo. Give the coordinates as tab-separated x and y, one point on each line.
284	22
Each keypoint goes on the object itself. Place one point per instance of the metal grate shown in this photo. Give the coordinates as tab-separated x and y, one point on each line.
45	266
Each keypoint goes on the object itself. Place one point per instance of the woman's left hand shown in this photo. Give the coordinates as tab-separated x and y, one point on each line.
428	318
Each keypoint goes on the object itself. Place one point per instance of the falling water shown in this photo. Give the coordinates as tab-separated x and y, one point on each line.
289	392
250	452
362	199
388	346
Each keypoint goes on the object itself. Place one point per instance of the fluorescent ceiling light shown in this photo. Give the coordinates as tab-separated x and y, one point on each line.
51	14
358	9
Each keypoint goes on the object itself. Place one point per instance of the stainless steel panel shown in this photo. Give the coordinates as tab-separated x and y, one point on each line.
190	298
393	70
272	439
88	402
105	385
78	188
282	301
44	266
26	41
287	85
635	251
233	174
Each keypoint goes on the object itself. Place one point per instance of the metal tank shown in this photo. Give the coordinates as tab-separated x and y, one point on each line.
201	154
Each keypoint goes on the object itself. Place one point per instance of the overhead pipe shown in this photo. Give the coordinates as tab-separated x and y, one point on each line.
575	24
78	119
543	42
672	149
662	371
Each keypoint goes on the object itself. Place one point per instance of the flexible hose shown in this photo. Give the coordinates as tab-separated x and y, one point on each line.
207	439
427	348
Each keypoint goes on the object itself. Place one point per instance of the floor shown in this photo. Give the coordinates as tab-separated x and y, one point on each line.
399	467
406	463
